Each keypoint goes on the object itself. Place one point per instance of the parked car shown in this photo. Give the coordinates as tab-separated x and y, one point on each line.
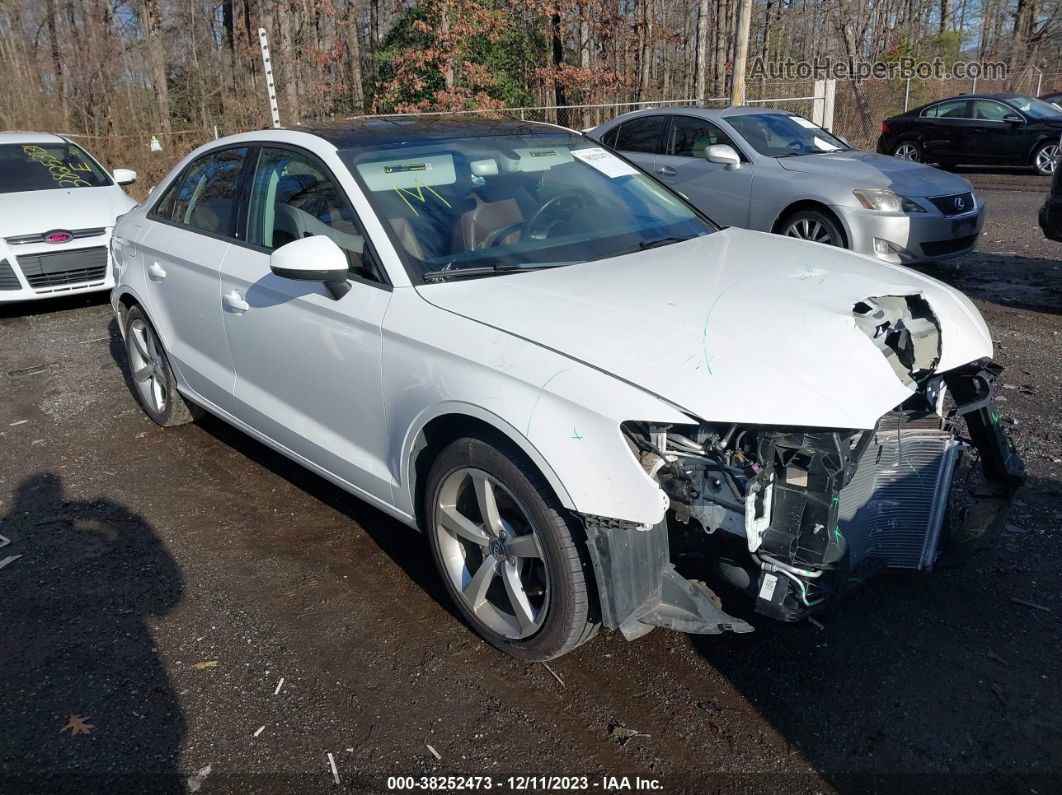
504	334
777	172
1051	210
57	208
1055	98
977	129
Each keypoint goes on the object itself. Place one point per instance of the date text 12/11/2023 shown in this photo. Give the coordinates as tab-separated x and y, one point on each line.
523	783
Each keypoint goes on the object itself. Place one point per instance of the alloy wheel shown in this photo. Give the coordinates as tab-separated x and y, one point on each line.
1045	159
907	151
491	553
148	366
806	228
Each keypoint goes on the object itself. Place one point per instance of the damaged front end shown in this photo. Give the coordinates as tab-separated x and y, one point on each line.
795	517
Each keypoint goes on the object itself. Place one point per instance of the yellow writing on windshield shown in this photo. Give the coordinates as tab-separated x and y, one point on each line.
417	192
61	171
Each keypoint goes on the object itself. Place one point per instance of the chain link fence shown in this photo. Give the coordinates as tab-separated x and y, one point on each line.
859	108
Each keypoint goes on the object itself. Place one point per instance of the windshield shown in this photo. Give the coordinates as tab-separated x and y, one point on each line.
48	166
783	135
538	198
1036	108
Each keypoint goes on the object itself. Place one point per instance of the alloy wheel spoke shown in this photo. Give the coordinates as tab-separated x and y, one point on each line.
144	373
488	505
138	343
523	546
514	589
459	525
475	592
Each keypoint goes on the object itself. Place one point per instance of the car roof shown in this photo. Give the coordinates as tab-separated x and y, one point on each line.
18	137
381	130
712	114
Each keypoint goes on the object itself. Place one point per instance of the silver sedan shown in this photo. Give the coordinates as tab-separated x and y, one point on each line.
775	171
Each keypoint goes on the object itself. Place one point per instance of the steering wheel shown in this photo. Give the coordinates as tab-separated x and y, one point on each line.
572	199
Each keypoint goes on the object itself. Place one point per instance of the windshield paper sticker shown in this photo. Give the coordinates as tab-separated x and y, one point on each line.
805	123
605	162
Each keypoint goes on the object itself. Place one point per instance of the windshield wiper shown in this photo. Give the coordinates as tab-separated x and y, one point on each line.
487	270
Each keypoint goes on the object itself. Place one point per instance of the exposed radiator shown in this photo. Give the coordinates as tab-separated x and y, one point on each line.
893	508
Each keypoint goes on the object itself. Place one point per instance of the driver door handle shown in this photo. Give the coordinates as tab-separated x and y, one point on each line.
157	272
234	301
667	171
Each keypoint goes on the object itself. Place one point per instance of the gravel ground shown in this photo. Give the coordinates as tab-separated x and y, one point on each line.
169	579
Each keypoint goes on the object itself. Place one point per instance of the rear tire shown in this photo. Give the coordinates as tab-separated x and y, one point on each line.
511	557
1045	158
152	381
908	150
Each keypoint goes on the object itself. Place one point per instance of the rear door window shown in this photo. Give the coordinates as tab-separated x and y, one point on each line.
641	135
205	197
954	109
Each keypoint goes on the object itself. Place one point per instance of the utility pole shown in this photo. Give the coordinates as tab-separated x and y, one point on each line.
741	52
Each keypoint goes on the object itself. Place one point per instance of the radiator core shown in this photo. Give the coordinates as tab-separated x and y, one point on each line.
893	508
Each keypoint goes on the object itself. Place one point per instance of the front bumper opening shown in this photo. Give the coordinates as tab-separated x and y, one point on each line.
795	518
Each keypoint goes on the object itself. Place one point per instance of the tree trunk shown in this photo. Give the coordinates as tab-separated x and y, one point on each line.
353	47
559	95
151	21
700	86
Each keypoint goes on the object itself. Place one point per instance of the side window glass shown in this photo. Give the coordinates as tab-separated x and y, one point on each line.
293	198
164	208
956	109
690	137
206	198
609	139
641	135
990	111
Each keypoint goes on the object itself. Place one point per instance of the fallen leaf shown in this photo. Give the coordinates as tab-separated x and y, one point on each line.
199	666
77	725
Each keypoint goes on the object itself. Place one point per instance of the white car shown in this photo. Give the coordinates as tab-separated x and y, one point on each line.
57	209
590	398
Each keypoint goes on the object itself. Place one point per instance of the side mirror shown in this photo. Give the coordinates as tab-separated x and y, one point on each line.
313	259
124	176
722	153
1013	118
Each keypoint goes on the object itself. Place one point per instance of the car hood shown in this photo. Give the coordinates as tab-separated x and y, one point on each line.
868	170
34	211
736	326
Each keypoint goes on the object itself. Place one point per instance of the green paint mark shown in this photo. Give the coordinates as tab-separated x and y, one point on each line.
538	397
837	535
575	435
995	418
836	499
708	315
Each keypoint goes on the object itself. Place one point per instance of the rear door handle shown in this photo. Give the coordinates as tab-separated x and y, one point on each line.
157	272
235	302
667	171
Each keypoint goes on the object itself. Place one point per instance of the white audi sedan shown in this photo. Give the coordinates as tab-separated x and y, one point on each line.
57	209
601	409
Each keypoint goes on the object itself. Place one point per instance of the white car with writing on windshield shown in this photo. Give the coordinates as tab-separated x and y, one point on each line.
57	208
601	409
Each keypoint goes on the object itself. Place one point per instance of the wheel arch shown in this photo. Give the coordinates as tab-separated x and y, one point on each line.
124	300
817	206
443	424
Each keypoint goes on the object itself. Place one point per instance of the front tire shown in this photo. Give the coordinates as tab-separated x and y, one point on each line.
510	555
153	383
1045	158
815	226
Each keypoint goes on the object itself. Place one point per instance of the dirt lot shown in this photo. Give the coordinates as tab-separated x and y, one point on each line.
169	580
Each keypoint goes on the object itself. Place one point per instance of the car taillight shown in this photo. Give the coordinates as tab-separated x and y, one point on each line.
884	127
